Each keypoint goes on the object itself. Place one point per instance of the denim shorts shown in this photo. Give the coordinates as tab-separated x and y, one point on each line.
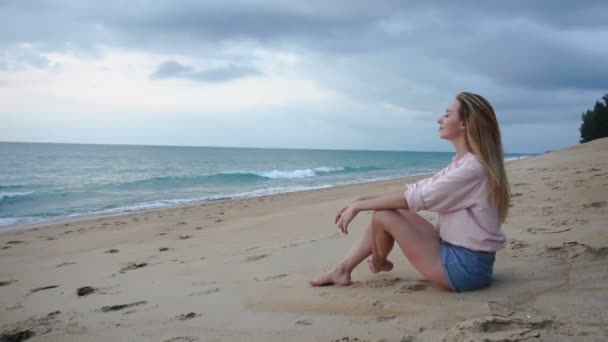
465	269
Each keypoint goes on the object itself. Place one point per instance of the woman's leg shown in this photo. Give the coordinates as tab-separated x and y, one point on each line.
420	244
383	242
341	273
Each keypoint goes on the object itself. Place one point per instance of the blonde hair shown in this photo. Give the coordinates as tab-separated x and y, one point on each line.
483	139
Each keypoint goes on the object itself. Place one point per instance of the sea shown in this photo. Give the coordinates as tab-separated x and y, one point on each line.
44	182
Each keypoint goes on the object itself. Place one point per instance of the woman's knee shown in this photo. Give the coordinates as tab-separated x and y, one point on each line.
378	217
381	218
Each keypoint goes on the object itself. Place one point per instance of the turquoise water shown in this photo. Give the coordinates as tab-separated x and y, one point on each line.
41	182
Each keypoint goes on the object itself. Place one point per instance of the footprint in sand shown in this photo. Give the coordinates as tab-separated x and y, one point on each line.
66	264
256	257
414	287
378	304
573	249
304	322
16	335
122	306
42	289
112	251
205	292
182	339
133	266
546	211
378	283
7	282
188	316
33	326
85	291
497	328
598	204
14	242
184	237
547	230
278	276
516	244
349	339
385	318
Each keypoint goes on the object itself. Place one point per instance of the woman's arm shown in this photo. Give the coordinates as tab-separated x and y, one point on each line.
366	197
394	199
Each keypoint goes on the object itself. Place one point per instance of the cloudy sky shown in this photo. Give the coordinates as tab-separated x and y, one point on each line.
299	74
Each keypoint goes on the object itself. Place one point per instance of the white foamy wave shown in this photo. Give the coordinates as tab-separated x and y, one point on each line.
304	173
278	190
328	169
7	221
4	195
516	158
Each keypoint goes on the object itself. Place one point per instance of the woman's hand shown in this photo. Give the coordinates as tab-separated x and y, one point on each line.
346	215
342	210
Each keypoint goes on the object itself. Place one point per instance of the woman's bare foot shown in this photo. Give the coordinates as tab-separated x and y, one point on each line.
338	275
379	265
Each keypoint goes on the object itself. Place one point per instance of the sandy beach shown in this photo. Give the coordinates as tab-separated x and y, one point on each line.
239	270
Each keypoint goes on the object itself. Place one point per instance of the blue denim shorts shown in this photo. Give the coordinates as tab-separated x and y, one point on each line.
465	269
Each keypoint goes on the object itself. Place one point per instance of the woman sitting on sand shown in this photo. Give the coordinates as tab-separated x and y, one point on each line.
471	196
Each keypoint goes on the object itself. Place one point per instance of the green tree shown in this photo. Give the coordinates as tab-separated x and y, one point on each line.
595	122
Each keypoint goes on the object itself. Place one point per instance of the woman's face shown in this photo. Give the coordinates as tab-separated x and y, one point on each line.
450	124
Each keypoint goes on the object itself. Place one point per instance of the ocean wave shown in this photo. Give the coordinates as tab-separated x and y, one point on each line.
6	221
11	187
156	183
516	158
163	203
9	221
4	195
307	173
234	177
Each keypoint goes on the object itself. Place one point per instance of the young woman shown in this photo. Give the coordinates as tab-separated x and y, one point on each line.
471	196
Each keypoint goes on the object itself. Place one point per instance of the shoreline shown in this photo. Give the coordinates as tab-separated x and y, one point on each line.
91	216
96	215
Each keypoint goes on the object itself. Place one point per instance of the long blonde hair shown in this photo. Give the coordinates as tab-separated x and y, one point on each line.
483	139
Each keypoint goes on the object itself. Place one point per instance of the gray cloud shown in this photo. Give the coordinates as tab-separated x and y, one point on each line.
20	57
173	69
536	60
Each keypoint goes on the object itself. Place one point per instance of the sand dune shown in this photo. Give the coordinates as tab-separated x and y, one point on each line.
238	270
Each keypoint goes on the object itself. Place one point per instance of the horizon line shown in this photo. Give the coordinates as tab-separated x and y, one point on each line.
241	147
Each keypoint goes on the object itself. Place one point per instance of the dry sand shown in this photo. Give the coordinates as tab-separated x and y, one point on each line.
238	270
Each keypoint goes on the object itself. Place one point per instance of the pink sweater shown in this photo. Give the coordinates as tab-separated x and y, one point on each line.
459	194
